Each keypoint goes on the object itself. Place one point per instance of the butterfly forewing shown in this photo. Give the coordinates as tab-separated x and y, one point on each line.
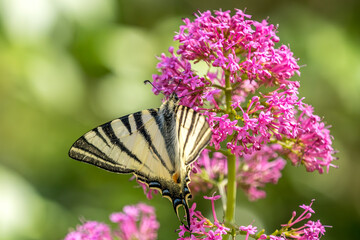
132	143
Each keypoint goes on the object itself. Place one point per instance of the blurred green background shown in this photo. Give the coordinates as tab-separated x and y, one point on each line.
67	66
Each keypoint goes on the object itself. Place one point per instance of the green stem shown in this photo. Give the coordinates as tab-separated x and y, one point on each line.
228	96
231	190
223	151
231	162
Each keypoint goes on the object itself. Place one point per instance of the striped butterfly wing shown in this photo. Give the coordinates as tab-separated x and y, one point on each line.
194	133
130	144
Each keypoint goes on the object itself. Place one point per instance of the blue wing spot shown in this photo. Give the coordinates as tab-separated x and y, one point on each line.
177	201
166	192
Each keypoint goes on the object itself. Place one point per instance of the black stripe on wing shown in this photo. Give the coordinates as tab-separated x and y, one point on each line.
140	127
194	121
109	131
166	127
197	139
201	142
86	152
89	149
183	113
125	121
96	131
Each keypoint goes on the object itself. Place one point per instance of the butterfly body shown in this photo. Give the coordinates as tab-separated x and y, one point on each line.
156	145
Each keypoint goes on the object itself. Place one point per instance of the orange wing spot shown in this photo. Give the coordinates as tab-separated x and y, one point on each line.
176	178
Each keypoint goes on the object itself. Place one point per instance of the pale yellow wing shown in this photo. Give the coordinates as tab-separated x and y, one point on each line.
193	133
131	144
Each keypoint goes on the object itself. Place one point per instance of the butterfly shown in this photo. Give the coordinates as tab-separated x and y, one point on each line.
157	145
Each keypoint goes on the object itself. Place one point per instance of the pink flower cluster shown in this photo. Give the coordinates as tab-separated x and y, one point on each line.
309	231
242	52
244	48
238	45
91	231
135	222
281	116
203	228
253	171
259	168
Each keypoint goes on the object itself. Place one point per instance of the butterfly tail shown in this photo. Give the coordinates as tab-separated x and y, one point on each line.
186	207
181	202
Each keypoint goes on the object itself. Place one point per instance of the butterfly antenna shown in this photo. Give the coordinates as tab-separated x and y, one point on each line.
148	81
173	94
177	85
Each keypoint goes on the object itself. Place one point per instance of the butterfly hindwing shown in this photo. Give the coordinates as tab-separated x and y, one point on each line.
193	133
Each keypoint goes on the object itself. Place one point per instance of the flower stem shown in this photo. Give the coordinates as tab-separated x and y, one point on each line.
231	161
231	190
228	96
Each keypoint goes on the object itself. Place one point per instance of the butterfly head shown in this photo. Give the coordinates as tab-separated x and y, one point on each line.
174	98
167	109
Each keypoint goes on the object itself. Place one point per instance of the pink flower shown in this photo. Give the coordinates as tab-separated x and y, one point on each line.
213	198
90	231
135	222
259	168
313	230
310	230
249	230
316	151
201	227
